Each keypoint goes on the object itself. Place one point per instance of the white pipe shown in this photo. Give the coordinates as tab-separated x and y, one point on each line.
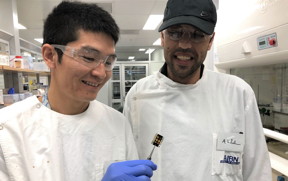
278	163
275	135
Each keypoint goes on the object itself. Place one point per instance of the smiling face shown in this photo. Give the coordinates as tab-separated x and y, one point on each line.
184	57
73	82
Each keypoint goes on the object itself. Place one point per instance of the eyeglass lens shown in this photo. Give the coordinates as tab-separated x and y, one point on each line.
88	56
93	58
179	34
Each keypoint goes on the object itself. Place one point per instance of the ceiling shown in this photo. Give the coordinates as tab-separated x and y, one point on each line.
130	15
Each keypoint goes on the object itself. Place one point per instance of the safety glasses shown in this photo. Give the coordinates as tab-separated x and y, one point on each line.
88	56
178	34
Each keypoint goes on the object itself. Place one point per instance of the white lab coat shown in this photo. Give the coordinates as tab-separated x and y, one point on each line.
38	144
192	118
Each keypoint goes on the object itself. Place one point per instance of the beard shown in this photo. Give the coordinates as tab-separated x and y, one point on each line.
183	73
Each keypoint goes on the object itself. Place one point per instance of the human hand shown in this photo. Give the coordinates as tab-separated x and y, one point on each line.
132	170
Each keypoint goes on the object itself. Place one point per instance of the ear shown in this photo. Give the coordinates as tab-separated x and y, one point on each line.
211	41
49	55
162	38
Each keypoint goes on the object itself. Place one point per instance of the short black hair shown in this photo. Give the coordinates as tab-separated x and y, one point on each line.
66	19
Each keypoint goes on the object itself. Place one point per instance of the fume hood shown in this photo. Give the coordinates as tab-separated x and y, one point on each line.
252	33
252	43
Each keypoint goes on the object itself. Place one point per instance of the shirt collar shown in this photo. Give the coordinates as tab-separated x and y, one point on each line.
163	70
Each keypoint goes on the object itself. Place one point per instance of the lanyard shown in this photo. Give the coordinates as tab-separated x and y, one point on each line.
45	101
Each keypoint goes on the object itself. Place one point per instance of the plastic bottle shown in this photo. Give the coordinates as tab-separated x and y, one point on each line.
18	62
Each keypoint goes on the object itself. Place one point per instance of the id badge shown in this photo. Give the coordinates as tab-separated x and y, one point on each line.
230	142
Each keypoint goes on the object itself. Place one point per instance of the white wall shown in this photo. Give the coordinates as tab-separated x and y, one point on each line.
158	55
8	10
210	59
157	61
103	95
6	13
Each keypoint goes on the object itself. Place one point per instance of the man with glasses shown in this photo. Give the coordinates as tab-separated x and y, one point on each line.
210	120
68	135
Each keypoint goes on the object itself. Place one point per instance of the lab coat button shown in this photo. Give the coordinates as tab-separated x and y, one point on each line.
38	105
1	126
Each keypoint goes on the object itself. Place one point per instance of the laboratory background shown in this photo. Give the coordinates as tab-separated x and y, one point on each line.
251	42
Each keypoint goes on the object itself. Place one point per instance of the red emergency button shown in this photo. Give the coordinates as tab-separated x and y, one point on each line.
272	42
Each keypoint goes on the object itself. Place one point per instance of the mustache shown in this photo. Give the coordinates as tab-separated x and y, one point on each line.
180	50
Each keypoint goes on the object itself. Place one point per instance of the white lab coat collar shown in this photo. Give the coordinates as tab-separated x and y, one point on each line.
167	82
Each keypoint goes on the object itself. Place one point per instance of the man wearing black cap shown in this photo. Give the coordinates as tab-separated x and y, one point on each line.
210	121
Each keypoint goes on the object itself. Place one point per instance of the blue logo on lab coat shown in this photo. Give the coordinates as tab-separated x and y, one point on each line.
230	160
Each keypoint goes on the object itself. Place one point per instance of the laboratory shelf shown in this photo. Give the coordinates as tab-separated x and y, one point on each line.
29	71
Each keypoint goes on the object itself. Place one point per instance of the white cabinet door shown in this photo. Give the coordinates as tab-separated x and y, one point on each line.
115	88
124	76
132	73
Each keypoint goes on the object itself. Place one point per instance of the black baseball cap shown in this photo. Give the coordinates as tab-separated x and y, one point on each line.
199	13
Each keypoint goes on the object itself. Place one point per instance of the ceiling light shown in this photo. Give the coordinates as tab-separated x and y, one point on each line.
152	22
142	49
40	40
26	53
20	27
150	50
157	42
131	58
